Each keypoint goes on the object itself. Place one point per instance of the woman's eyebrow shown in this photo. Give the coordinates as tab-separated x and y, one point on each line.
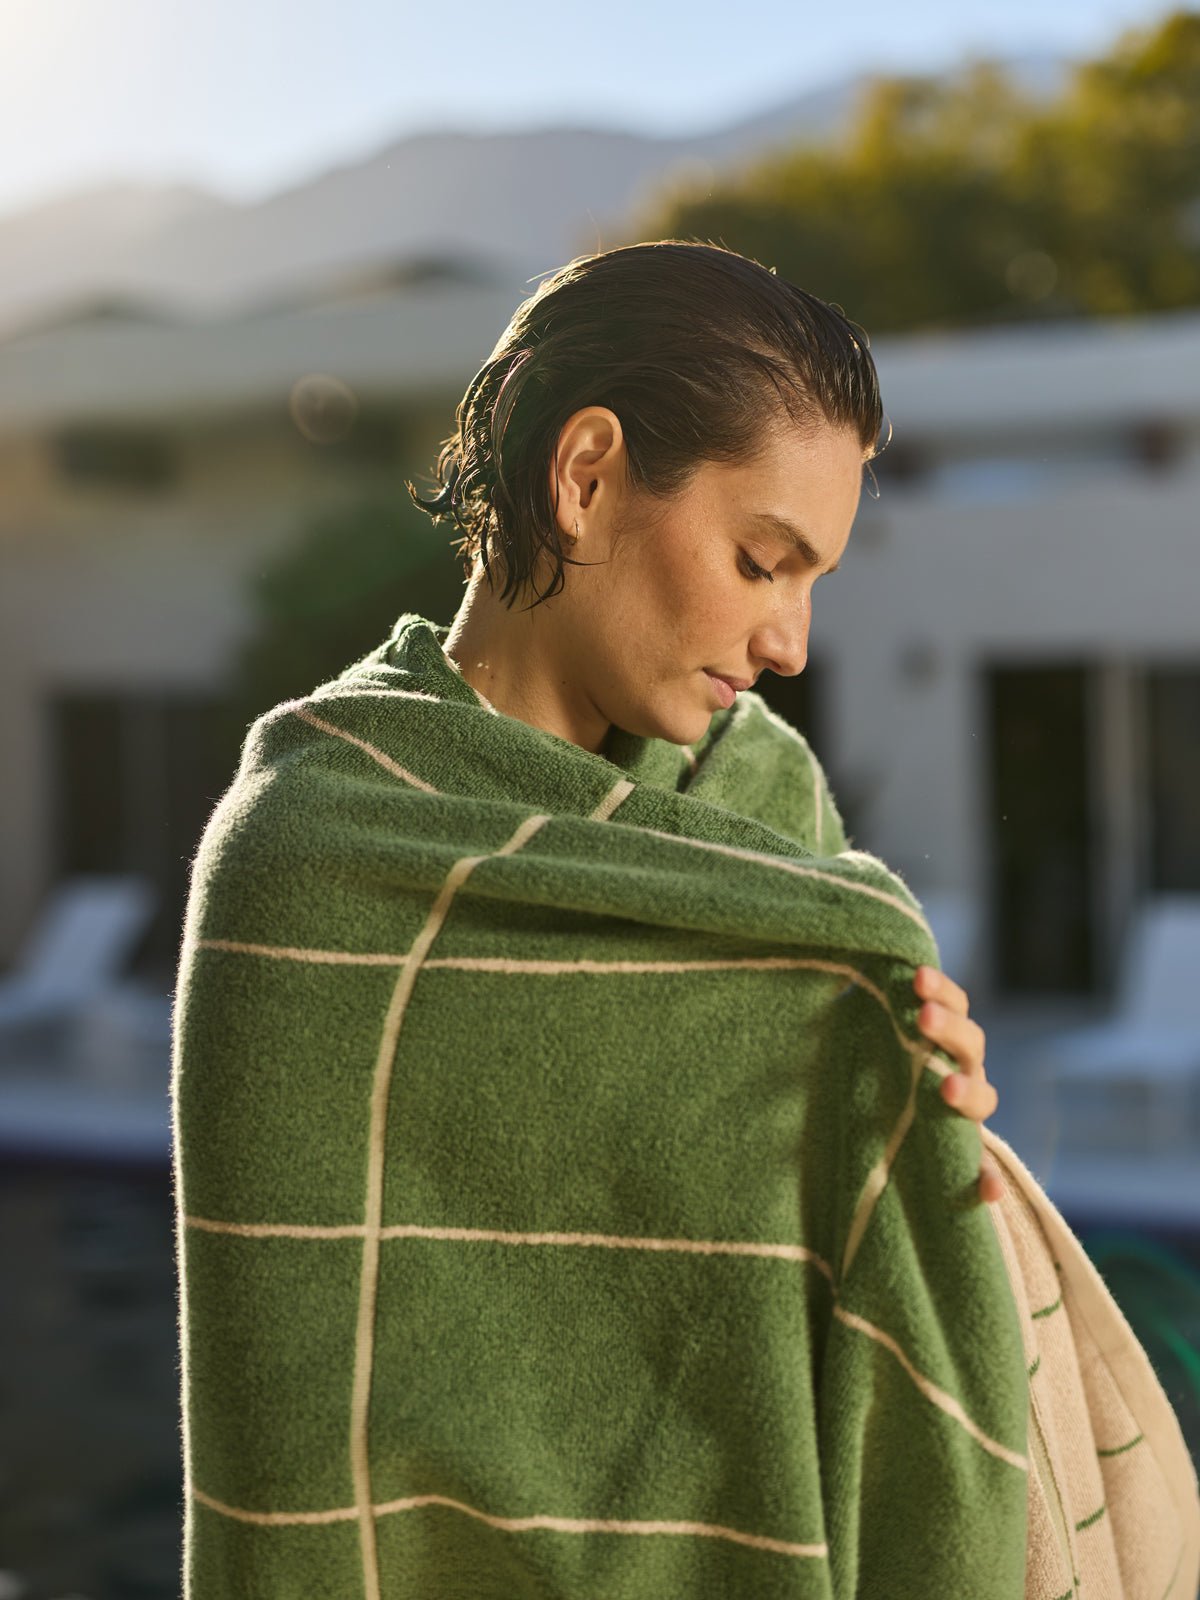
791	534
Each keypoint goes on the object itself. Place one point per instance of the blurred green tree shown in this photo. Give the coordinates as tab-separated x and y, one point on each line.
957	203
1110	178
1157	1287
334	594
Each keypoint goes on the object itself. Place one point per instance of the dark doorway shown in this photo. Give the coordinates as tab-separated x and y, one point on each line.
1042	857
1173	707
134	779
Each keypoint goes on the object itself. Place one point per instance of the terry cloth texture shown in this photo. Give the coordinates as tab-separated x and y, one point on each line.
1113	1507
566	1208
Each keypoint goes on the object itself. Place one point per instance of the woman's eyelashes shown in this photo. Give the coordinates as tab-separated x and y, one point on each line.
751	569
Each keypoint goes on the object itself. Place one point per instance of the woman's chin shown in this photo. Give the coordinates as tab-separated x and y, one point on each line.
681	721
686	727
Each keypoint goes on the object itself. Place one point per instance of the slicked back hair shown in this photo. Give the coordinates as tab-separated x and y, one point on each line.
700	351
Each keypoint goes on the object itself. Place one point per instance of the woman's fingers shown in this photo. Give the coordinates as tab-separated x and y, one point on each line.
958	1036
931	983
991	1184
944	1018
974	1097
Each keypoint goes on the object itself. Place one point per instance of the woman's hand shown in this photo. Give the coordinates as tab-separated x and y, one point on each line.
943	1019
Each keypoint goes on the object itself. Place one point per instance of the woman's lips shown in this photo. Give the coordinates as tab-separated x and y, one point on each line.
725	692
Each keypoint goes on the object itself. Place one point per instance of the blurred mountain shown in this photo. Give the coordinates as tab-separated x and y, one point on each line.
502	207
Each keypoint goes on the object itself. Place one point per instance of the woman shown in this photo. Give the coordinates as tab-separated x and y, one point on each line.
671	519
569	1199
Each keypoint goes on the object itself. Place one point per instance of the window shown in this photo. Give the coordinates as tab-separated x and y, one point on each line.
1173	778
993	477
135	779
1092	799
1039	826
131	458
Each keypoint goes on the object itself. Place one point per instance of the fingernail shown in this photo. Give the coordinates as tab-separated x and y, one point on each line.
954	1087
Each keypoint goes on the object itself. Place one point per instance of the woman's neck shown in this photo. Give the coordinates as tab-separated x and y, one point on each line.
513	659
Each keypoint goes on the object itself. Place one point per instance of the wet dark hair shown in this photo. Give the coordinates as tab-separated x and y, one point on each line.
701	353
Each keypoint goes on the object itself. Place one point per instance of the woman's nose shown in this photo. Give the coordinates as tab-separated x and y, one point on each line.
784	647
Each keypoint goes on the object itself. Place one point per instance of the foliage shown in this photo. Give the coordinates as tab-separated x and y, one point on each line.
334	594
1157	1288
952	203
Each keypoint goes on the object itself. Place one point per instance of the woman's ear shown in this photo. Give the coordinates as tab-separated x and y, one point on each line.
588	460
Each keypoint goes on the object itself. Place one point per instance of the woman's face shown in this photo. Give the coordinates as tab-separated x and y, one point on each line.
677	592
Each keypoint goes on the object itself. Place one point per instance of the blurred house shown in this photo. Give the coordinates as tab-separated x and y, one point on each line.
1005	676
1014	647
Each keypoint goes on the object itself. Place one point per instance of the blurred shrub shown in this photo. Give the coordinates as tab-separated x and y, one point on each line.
1158	1289
956	203
334	595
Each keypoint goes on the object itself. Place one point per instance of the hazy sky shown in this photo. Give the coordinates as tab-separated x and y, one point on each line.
247	96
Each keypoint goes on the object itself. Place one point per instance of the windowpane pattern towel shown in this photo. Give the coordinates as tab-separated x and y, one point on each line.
566	1208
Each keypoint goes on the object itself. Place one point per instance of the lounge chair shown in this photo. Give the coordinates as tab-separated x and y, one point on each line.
1153	1036
78	946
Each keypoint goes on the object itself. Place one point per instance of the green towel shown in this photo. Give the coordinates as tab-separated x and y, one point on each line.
566	1206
